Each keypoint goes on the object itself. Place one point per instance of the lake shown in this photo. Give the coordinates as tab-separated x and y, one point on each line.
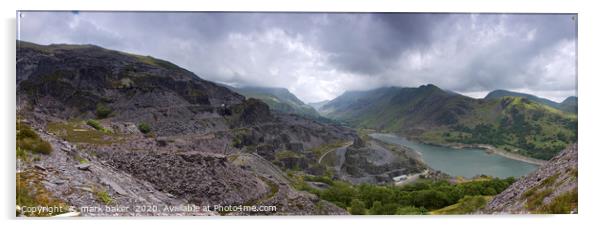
462	162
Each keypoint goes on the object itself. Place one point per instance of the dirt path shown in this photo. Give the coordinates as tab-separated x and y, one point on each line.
341	149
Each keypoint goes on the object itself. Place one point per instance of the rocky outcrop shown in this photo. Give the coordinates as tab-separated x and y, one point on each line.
252	112
201	178
193	126
73	80
550	189
90	187
284	197
372	162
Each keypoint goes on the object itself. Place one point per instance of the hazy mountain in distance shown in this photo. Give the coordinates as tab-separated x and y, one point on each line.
278	99
318	105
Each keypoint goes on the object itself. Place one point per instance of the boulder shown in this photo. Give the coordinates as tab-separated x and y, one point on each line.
85	166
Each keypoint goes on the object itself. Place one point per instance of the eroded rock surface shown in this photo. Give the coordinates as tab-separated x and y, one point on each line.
550	189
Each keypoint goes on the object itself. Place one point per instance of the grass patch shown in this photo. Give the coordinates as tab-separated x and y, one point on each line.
536	195
324	148
32	193
103	196
466	205
96	125
81	159
74	132
298	182
563	204
28	141
144	128
535	199
155	62
324	179
283	154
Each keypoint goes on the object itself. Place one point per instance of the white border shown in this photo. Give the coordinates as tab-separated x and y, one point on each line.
589	107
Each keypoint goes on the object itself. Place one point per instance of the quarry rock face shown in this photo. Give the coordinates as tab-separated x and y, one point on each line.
162	135
550	189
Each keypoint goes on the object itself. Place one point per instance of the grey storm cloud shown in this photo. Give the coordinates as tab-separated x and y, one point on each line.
320	55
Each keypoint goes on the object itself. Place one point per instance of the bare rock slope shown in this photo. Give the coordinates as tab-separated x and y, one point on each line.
550	189
145	121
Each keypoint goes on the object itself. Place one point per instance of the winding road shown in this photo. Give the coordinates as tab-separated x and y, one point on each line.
340	153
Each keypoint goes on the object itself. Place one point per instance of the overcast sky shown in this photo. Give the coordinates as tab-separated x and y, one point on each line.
318	56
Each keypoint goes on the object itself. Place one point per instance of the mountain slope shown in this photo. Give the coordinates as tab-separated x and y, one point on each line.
395	108
430	114
157	124
74	81
552	189
569	106
279	99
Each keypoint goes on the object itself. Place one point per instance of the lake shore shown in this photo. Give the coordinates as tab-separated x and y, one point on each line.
490	149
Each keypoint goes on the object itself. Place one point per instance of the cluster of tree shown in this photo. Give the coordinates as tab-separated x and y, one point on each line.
416	198
529	138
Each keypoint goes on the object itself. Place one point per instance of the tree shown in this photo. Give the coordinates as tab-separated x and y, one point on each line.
411	210
144	128
377	208
357	207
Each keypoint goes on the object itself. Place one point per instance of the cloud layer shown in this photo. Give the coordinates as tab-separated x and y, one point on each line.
318	56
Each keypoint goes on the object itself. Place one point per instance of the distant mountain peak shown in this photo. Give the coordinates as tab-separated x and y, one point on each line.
279	99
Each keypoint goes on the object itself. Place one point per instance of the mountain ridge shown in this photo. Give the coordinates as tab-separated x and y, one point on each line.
279	99
567	105
430	114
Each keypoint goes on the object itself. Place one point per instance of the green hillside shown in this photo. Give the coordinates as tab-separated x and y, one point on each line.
430	114
568	105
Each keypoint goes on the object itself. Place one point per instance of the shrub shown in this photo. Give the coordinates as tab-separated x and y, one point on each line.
31	192
103	196
144	128
415	198
42	147
95	124
28	140
103	111
25	131
22	154
35	145
470	204
411	210
357	207
536	199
